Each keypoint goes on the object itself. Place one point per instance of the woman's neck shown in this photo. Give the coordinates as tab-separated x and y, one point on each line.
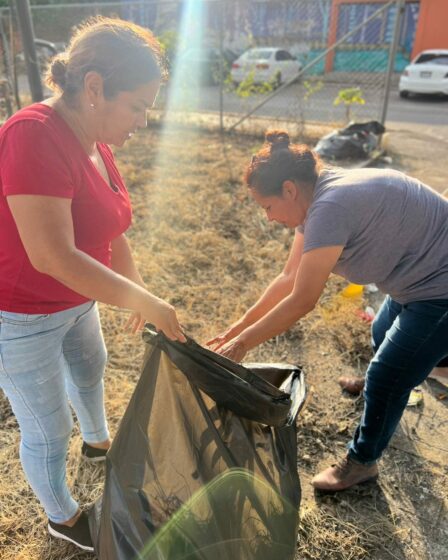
77	121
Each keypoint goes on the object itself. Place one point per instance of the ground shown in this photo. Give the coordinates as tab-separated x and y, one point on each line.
201	243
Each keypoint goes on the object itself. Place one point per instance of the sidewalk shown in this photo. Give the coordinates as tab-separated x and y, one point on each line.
419	150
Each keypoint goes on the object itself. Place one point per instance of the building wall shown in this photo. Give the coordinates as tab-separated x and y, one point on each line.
432	27
371	44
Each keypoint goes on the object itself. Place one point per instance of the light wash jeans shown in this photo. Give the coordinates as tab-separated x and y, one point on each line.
409	340
45	360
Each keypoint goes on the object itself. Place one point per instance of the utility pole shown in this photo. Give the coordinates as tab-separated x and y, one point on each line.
392	54
221	66
6	84
29	48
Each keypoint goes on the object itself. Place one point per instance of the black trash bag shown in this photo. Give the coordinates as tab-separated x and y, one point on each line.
357	141
204	464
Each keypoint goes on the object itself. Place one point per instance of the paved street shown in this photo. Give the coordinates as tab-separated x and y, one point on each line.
290	103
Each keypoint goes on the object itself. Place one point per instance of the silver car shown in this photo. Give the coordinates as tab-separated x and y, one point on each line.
265	64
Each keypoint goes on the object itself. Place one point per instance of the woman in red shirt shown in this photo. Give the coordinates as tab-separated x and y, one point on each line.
64	210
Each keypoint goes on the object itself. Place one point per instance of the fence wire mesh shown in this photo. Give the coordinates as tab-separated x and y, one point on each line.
344	50
203	40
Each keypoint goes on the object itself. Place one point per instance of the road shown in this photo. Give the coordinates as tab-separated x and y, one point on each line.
290	103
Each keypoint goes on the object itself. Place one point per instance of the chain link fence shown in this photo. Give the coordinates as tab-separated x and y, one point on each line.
343	49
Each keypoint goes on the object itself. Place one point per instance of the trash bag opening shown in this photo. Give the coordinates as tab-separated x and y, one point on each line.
261	392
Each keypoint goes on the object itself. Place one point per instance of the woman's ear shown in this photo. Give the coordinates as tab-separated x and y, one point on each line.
94	87
289	190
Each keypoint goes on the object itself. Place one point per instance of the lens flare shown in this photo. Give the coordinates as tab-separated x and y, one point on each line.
184	83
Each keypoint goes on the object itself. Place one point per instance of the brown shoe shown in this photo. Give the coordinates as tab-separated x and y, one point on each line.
344	474
353	385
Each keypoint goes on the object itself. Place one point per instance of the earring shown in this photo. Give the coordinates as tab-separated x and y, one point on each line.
92	105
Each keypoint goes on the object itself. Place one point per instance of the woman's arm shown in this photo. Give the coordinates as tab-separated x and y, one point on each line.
312	275
122	260
277	290
123	263
46	229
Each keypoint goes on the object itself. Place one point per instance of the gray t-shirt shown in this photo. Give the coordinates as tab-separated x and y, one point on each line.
394	230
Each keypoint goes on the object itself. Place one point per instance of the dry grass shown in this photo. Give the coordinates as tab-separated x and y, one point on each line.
200	243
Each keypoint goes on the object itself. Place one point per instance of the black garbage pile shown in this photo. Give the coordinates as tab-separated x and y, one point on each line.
204	464
356	141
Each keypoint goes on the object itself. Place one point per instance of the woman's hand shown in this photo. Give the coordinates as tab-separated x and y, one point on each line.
235	350
163	316
135	323
165	320
218	341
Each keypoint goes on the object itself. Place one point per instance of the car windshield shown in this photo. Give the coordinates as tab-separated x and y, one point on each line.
257	54
431	58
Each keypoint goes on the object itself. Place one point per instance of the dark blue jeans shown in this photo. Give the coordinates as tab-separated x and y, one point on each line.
408	340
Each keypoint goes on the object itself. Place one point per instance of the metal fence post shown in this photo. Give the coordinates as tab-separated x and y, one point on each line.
27	33
392	54
221	66
11	18
7	68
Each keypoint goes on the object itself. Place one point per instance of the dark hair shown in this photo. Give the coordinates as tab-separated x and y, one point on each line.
123	53
279	161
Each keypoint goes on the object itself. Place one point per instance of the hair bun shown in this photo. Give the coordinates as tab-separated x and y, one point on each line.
58	71
278	139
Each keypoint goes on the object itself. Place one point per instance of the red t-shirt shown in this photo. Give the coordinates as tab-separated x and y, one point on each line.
40	154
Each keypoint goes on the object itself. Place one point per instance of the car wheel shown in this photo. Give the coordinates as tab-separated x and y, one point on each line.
404	94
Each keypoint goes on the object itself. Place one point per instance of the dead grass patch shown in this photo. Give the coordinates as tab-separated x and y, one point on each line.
200	243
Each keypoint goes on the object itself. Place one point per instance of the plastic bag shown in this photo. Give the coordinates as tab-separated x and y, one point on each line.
204	464
357	140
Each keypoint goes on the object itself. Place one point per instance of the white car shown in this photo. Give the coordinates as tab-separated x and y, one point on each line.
428	73
266	63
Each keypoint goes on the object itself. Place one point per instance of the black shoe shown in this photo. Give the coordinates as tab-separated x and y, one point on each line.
79	534
93	454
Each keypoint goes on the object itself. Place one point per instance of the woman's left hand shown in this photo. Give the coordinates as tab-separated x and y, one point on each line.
135	323
234	350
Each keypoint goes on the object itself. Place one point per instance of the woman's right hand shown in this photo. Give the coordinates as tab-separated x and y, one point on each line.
218	341
163	316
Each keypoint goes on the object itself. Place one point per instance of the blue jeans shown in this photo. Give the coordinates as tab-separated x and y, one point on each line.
45	360
408	340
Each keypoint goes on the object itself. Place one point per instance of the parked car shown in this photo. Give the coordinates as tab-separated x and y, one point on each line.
428	73
266	63
206	61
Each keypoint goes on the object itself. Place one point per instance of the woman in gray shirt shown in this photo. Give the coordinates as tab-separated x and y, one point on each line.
369	226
